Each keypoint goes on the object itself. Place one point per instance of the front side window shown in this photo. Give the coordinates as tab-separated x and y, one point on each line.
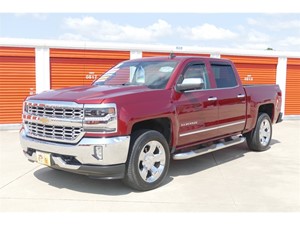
153	74
197	71
224	75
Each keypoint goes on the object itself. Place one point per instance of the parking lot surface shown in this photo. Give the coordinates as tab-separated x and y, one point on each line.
229	180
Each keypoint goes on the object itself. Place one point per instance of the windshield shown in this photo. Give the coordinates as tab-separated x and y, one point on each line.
153	74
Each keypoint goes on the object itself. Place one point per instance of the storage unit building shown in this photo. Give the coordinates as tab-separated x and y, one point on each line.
255	69
17	80
29	66
74	67
292	102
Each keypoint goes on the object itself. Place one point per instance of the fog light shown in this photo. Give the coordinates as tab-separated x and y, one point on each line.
98	152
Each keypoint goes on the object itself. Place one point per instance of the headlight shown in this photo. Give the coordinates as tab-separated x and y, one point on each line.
100	118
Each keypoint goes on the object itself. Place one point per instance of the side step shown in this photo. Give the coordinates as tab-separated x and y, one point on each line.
211	148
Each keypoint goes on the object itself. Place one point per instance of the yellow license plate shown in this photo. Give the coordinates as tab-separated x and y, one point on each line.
43	158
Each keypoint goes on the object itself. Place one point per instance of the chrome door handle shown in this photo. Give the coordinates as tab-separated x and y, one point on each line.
240	96
212	99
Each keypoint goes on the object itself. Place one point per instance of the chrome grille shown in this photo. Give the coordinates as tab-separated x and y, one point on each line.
54	111
50	132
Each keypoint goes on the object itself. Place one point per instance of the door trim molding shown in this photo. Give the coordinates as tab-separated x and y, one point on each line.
212	128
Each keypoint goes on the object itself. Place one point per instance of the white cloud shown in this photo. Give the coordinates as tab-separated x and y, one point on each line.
81	23
275	24
276	31
256	36
255	46
252	21
104	30
206	32
290	41
291	24
72	37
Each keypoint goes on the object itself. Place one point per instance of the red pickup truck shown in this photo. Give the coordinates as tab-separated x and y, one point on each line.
141	113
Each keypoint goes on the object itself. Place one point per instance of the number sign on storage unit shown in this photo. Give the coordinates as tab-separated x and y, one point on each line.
75	67
255	70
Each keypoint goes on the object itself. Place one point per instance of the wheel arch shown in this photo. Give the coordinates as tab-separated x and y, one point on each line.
268	109
162	125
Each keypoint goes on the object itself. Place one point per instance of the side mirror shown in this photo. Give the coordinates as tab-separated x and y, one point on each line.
190	84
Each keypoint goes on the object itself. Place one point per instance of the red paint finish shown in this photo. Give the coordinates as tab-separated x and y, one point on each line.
195	116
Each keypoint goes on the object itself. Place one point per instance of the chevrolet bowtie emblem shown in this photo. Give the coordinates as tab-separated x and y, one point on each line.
44	120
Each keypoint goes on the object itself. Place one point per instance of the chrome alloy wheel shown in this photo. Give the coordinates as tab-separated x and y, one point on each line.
265	132
152	161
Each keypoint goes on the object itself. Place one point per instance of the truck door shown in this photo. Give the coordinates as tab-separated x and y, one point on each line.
195	112
230	97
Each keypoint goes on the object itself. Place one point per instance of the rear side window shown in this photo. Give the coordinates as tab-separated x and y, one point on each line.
224	75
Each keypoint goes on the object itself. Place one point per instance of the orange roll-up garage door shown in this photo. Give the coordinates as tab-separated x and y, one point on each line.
73	67
292	103
151	54
17	80
255	70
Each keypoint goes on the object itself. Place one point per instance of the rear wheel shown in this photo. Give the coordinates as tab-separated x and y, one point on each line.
148	162
260	137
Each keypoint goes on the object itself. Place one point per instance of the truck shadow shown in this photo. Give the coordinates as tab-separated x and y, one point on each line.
210	160
84	184
207	161
81	183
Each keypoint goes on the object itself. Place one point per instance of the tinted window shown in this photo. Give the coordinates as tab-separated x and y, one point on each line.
224	75
153	74
197	71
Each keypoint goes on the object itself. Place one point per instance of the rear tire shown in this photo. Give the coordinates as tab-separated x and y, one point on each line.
260	137
148	162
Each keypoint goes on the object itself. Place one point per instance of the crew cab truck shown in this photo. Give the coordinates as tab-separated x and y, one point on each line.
138	115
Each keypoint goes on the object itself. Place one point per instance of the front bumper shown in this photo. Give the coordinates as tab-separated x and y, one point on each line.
82	158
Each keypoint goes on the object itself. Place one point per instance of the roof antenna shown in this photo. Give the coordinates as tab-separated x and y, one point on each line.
172	55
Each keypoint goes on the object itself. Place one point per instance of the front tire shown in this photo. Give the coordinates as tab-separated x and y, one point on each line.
148	162
260	137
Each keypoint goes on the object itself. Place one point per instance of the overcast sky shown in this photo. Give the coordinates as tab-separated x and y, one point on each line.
258	31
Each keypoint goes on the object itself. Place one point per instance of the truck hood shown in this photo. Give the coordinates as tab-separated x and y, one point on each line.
89	94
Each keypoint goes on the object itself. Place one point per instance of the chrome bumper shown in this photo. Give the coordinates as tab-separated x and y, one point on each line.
114	151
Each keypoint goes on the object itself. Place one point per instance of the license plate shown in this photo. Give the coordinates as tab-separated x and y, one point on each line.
43	158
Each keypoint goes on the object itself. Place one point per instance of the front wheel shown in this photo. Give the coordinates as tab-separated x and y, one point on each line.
148	162
260	137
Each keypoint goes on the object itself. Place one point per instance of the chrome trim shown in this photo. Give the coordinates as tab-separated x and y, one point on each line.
212	148
56	103
102	125
58	161
208	89
212	99
54	133
152	161
52	109
196	90
57	121
265	132
236	86
99	106
240	96
115	149
54	121
213	128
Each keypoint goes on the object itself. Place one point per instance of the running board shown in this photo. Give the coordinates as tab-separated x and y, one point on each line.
211	148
